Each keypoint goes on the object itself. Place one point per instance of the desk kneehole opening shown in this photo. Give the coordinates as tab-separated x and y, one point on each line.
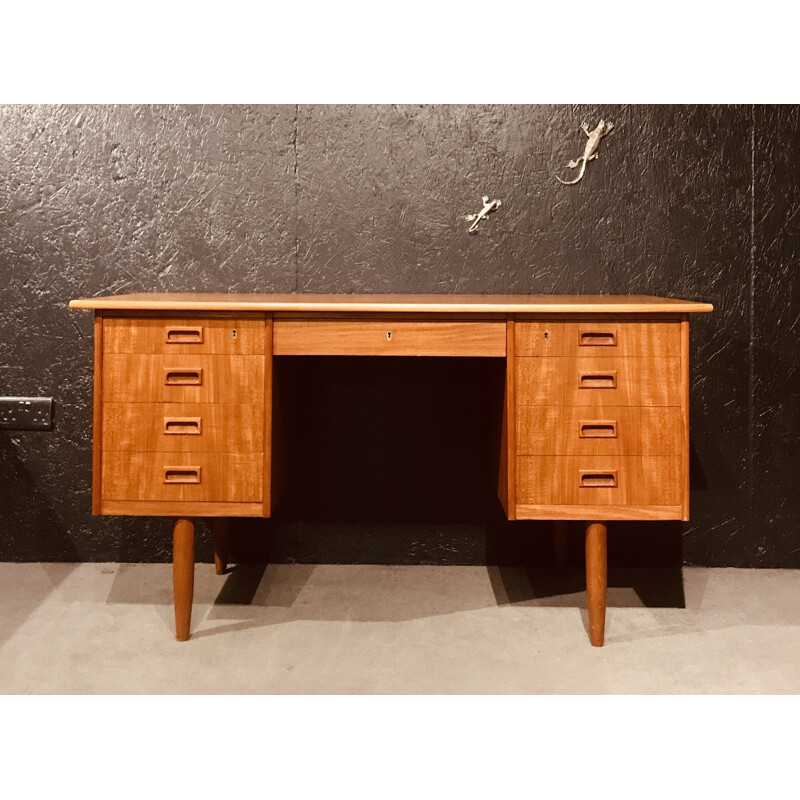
598	479
181	474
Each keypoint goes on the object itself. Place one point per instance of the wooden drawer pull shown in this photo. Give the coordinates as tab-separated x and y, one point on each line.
183	335
183	377
599	429
181	474
601	338
182	425
598	380
598	480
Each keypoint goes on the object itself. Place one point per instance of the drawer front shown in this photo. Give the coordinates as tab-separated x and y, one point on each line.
598	338
588	430
183	427
184	335
200	477
598	381
599	480
389	338
180	378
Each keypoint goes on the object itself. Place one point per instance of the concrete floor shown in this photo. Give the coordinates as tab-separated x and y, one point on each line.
108	628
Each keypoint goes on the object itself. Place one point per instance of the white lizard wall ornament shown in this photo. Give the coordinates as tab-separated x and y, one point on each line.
488	206
590	151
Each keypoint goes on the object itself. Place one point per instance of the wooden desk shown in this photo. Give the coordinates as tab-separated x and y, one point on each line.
595	423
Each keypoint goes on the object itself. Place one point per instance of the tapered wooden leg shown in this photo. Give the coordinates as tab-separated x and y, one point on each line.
560	546
220	528
596	580
183	575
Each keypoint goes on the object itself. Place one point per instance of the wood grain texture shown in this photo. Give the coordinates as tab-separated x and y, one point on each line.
685	388
641	480
389	338
639	381
596	580
131	378
266	421
171	508
224	428
183	576
639	431
610	337
562	511
507	477
217	335
97	413
225	477
440	303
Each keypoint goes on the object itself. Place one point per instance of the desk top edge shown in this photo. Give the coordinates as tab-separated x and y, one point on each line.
400	303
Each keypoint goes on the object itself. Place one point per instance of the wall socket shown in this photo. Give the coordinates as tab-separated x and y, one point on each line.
26	413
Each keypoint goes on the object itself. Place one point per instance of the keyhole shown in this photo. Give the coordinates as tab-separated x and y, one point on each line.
546	335
234	333
388	336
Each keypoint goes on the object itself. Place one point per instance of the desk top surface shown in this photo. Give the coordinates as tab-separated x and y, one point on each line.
400	303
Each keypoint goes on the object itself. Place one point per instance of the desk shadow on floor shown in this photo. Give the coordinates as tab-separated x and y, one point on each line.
628	587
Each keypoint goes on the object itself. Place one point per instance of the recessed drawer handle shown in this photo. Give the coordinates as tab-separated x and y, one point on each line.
182	425
598	380
598	430
598	480
184	335
183	377
181	474
602	338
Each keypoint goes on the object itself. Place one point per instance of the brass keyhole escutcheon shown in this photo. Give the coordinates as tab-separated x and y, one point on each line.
233	333
388	336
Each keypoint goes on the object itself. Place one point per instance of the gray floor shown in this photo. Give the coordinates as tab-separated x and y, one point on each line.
108	628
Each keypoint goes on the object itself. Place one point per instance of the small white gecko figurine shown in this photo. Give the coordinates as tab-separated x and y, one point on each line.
590	151
487	207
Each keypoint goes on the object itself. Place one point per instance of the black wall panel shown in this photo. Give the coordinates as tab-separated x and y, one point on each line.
691	201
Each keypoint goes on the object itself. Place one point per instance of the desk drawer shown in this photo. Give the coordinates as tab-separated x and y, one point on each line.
598	381
183	379
599	480
598	338
199	477
183	427
588	430
184	335
389	338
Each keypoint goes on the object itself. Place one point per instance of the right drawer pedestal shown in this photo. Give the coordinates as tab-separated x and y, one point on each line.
600	419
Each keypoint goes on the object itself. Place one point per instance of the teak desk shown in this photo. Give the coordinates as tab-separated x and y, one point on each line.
595	423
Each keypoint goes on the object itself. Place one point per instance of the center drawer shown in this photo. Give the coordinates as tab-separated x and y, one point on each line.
300	337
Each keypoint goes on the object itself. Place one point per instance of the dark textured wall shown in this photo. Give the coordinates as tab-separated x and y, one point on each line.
698	202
